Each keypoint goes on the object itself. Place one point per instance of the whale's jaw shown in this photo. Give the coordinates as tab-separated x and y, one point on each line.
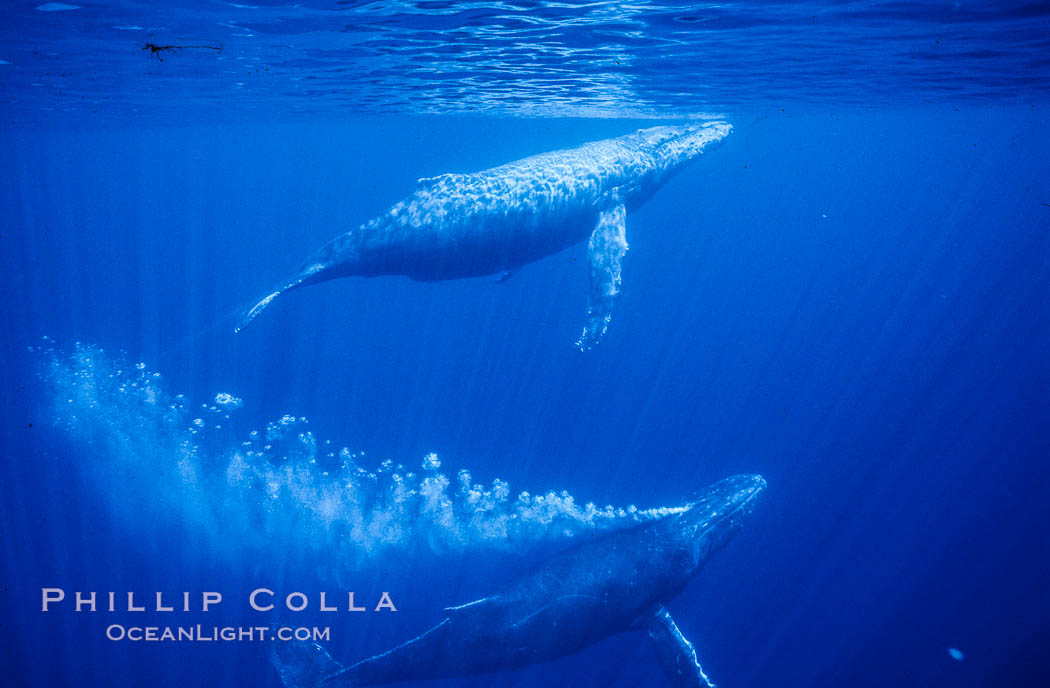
690	142
716	517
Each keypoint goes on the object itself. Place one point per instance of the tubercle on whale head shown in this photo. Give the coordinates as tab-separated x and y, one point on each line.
712	520
655	136
674	147
698	137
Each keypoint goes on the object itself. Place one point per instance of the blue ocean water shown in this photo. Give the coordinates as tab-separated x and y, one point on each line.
848	296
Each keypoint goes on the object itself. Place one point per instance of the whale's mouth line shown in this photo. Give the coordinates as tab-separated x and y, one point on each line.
737	504
745	506
748	495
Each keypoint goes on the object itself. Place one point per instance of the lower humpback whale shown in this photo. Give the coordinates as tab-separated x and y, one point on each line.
494	221
610	584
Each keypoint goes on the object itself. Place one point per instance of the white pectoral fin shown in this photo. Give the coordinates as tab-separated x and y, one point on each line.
676	654
606	249
301	664
484	601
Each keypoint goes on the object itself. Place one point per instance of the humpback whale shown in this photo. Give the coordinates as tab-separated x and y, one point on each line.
611	584
494	221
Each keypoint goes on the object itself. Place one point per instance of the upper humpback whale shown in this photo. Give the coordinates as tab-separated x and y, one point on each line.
491	222
609	584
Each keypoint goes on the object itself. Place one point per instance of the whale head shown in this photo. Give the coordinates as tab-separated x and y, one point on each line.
710	521
674	146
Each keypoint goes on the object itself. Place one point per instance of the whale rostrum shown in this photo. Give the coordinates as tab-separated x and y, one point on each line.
609	584
494	221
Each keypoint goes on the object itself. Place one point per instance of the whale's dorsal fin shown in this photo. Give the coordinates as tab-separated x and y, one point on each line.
449	611
676	654
424	182
559	608
605	252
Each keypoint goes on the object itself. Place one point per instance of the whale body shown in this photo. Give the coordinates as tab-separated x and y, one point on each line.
494	221
610	584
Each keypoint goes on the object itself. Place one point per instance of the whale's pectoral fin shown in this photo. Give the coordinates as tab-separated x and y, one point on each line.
301	664
606	249
476	604
676	654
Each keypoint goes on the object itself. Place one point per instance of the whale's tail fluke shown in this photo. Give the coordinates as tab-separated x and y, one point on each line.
309	275
302	664
257	309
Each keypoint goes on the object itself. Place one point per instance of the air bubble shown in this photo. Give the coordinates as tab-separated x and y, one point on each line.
246	494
